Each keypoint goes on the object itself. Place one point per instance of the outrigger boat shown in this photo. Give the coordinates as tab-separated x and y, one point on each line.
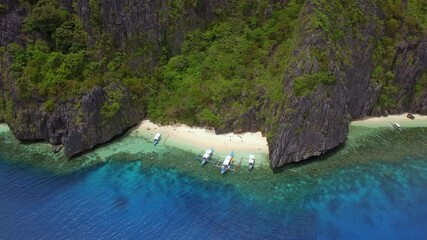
157	139
207	156
227	163
396	126
251	161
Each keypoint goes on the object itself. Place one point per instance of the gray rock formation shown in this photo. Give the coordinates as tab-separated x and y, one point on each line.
413	64
152	23
11	19
311	125
79	124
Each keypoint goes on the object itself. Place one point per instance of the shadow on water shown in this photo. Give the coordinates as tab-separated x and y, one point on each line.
80	156
309	161
126	133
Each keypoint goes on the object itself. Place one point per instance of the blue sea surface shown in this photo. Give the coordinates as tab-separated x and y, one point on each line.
126	200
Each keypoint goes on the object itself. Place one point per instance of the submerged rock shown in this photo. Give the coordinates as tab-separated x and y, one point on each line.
57	148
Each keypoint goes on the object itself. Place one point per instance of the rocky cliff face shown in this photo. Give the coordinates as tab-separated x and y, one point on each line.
311	125
79	123
2	98
11	18
413	64
160	25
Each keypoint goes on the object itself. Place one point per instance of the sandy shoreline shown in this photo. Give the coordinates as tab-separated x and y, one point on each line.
199	139
419	121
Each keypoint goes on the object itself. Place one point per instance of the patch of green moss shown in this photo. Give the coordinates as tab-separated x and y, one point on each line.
3	7
305	85
421	85
48	106
113	104
95	12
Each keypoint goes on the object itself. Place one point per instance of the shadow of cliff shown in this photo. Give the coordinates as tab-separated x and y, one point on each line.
308	161
113	140
75	157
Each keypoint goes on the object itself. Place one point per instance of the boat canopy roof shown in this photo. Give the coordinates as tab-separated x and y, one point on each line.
251	158
157	137
227	160
397	124
208	153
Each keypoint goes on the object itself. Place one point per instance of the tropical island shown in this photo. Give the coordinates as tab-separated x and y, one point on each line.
79	73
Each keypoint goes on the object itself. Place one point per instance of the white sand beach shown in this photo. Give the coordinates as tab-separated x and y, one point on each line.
199	139
402	119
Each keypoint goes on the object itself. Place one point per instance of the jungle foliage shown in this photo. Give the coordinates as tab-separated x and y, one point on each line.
235	63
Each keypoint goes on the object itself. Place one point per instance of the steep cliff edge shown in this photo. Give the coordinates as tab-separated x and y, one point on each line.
78	123
151	28
313	122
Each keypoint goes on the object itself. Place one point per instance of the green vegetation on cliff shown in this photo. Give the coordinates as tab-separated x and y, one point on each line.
231	66
395	23
421	86
3	71
304	85
61	65
234	63
402	22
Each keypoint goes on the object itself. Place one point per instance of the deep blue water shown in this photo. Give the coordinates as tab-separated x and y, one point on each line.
123	200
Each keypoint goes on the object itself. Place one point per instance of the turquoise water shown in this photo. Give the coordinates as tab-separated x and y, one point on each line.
372	188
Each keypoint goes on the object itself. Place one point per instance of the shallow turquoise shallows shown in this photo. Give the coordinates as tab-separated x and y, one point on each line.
374	187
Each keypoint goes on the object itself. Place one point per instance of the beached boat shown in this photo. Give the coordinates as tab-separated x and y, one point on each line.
396	126
227	163
207	156
157	138
251	161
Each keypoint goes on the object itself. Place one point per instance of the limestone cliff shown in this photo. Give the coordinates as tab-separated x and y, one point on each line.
78	123
159	24
313	124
